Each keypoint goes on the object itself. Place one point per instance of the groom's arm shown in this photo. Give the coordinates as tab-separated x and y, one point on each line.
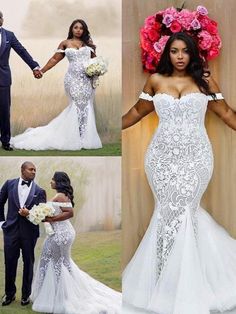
23	53
3	199
42	196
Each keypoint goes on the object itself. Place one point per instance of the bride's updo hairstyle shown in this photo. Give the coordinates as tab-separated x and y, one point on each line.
86	38
195	67
63	185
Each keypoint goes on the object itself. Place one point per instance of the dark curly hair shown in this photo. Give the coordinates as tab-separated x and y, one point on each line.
86	38
195	67
63	185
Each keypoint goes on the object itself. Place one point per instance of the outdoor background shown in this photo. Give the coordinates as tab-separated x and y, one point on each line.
40	26
220	197
97	215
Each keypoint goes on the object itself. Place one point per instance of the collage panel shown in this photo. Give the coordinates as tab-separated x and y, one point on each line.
60	164
178	177
77	263
65	96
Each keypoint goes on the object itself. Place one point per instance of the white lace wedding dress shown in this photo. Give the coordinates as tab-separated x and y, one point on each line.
186	262
75	127
59	286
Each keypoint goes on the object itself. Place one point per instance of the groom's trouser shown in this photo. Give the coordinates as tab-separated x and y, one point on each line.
5	103
12	247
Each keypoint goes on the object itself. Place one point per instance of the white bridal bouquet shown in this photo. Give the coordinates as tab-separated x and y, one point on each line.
96	66
39	212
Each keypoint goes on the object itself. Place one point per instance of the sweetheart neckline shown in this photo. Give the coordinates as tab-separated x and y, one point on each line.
76	48
182	96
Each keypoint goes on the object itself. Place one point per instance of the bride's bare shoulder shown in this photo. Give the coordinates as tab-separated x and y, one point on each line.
60	197
63	44
154	80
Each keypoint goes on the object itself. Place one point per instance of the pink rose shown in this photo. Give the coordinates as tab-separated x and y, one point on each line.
213	52
195	24
150	20
175	27
160	45
205	40
153	34
144	40
167	20
212	27
204	21
149	63
202	10
171	11
185	18
217	41
146	45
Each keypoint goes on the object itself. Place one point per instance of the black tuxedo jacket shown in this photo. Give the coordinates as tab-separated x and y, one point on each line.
15	225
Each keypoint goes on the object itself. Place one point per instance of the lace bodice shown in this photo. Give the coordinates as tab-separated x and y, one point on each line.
78	58
78	85
178	163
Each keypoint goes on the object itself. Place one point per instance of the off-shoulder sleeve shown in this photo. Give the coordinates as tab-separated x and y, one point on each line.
63	204
60	50
219	96
91	49
145	96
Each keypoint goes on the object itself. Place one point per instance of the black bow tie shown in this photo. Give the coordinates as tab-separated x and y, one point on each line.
25	182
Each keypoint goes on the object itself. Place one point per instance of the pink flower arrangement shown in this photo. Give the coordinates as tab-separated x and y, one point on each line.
159	27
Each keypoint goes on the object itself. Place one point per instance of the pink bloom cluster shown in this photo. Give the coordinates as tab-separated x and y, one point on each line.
159	27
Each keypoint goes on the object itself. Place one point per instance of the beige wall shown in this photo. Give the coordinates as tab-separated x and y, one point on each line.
220	197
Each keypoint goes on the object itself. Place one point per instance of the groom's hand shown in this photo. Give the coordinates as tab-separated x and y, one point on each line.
37	73
23	212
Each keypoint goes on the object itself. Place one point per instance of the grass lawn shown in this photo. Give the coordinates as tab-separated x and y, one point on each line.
113	149
97	253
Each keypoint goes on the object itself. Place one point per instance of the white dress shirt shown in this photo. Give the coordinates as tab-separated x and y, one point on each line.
23	192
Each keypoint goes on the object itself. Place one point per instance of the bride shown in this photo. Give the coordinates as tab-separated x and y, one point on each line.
59	286
75	127
186	262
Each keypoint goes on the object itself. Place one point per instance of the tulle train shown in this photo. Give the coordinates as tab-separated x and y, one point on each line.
198	278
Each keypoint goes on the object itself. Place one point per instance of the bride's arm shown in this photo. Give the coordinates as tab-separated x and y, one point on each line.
57	57
221	108
141	108
67	212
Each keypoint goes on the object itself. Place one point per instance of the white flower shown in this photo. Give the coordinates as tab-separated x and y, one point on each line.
48	228
39	212
96	66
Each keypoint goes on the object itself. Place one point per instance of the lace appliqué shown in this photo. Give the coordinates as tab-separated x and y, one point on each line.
78	85
178	164
56	248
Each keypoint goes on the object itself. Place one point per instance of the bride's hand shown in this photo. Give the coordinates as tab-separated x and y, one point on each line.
37	73
48	219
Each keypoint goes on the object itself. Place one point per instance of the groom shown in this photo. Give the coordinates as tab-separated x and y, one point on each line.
8	41
18	232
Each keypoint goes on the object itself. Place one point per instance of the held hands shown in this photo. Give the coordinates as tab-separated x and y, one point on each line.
23	212
37	73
